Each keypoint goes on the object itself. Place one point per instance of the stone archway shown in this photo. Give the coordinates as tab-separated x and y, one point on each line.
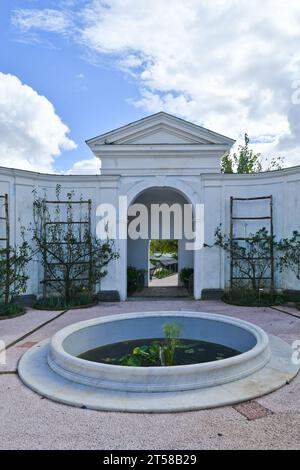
180	192
172	205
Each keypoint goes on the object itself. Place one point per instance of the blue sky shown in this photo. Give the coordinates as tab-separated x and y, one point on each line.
72	69
89	98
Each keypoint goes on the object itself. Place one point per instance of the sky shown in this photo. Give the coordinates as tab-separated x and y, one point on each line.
73	69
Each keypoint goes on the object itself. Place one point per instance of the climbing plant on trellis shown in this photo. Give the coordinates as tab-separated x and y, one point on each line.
73	259
13	259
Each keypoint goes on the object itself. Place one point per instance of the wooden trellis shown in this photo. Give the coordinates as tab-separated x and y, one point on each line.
269	218
87	223
5	240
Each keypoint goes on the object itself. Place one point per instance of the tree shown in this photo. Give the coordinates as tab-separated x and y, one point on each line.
247	161
162	247
227	164
251	261
290	249
72	258
13	275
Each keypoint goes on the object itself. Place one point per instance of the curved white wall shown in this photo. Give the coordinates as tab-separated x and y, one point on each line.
283	185
214	190
19	184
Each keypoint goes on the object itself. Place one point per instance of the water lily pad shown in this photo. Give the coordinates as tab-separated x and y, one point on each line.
189	351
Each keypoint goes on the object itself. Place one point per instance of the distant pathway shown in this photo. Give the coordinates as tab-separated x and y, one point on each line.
165	282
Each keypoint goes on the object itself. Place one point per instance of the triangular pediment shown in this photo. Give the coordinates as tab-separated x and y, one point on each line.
159	129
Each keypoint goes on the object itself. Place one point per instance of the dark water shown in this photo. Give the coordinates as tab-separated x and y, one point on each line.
188	352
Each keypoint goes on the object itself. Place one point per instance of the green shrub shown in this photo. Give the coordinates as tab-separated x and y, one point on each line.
252	298
7	310
135	279
298	306
185	275
57	302
13	269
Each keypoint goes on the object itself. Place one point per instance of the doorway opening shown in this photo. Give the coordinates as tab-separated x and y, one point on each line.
163	263
158	266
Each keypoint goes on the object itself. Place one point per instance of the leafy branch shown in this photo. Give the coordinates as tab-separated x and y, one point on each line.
251	260
290	258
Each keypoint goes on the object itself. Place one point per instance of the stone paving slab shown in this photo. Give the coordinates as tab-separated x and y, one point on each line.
13	328
252	410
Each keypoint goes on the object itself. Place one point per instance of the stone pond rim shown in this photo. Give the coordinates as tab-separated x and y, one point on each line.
53	369
75	339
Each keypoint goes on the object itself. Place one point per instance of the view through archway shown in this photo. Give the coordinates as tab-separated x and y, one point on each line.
163	263
159	265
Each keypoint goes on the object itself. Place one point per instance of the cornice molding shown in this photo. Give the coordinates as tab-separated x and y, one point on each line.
17	173
164	121
160	150
233	177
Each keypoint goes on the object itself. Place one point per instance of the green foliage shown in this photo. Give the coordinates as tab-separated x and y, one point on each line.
162	273
73	259
135	279
162	247
290	254
251	260
143	356
172	332
159	353
10	310
227	164
185	275
58	302
298	306
251	298
247	161
13	275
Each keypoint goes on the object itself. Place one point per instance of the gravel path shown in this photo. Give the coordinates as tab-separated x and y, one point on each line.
27	421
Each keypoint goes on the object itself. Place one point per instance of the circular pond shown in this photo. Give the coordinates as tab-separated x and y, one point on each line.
230	361
248	343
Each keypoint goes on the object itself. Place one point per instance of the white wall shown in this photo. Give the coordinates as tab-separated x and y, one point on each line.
283	185
19	186
214	190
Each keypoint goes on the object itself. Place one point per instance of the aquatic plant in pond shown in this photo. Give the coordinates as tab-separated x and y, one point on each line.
172	332
187	352
158	352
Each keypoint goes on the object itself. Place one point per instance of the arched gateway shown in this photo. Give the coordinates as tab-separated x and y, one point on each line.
160	159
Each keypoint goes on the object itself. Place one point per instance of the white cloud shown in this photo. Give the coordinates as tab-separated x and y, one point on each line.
31	133
89	166
226	64
47	20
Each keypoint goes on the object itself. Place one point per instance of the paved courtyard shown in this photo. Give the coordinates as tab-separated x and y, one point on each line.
29	421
